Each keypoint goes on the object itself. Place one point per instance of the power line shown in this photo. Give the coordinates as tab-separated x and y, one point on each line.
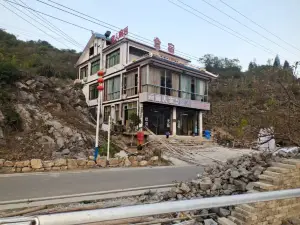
56	29
246	26
108	24
29	21
234	33
259	25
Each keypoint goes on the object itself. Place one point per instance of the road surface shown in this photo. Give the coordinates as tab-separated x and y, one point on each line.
46	184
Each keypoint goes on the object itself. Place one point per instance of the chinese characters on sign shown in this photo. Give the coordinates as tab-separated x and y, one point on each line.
157	43
171	48
122	33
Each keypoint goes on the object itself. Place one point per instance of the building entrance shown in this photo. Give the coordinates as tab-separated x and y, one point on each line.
187	121
157	118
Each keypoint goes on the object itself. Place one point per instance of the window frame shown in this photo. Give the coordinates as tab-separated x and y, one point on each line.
95	61
115	56
94	85
86	67
106	113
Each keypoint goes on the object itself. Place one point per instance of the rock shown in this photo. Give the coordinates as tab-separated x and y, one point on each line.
91	163
1	133
60	142
8	164
19	164
56	155
250	186
30	82
63	167
56	168
36	163
18	170
179	196
234	173
240	185
127	162
39	170
184	187
101	161
134	163
1	118
65	151
21	86
26	169
205	184
28	97
48	164
210	222
154	158
228	192
91	157
113	162
54	123
81	162
140	158
67	131
60	162
26	163
143	163
72	164
121	154
224	212
46	141
2	162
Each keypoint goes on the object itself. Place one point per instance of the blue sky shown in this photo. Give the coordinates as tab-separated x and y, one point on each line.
189	34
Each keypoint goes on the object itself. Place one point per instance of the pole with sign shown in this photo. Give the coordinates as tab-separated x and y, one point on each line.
100	88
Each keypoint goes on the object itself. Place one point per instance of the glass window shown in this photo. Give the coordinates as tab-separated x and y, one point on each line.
113	58
83	72
95	66
112	88
130	83
106	113
93	92
91	51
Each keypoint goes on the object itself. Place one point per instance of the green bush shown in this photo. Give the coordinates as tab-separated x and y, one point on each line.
8	73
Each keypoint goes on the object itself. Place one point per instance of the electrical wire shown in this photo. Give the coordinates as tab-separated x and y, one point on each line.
234	33
252	21
56	29
29	21
111	25
246	26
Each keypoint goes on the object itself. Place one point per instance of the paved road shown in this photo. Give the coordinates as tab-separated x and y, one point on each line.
35	185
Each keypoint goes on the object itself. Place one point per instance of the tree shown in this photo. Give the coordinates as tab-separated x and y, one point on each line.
276	63
252	65
8	73
286	65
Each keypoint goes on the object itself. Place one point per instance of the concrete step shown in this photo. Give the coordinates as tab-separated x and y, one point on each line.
284	165
236	220
295	162
225	221
278	169
261	186
274	180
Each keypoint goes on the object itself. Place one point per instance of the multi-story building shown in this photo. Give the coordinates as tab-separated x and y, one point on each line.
164	90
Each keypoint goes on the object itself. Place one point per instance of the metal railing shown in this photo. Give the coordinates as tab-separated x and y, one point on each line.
101	215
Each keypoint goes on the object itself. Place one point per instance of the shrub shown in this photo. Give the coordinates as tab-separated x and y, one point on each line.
8	73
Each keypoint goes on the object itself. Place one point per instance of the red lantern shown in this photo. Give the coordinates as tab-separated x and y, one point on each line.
101	73
100	80
100	88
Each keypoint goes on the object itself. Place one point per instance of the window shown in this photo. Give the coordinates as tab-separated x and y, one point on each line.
91	51
128	109
95	66
107	110
83	72
112	88
193	88
93	92
130	83
117	112
113	58
136	53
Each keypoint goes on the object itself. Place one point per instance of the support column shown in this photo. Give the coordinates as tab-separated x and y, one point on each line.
141	114
174	121
200	122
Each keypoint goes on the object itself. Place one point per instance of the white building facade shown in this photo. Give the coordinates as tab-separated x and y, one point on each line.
160	87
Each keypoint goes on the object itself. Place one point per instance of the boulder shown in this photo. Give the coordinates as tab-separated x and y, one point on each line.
91	157
36	163
143	163
101	161
26	169
46	141
8	164
184	187
2	162
60	162
60	142
56	168
121	154
210	222
127	162
19	164
205	183
48	164
81	162
72	164
224	212
65	151
235	173
134	163
54	123
154	158
91	163
113	162
26	163
140	158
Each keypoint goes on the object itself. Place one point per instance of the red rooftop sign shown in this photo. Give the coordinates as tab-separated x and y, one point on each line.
157	42
122	33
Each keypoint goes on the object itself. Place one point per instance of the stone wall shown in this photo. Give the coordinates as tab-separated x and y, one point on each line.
38	165
280	176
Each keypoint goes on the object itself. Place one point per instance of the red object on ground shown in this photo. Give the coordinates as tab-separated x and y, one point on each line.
140	137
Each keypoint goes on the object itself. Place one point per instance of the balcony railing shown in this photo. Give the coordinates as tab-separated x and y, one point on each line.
173	92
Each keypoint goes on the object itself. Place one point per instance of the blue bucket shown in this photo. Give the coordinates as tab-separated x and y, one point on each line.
207	134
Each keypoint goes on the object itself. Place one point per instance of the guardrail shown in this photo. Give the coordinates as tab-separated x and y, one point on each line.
101	215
